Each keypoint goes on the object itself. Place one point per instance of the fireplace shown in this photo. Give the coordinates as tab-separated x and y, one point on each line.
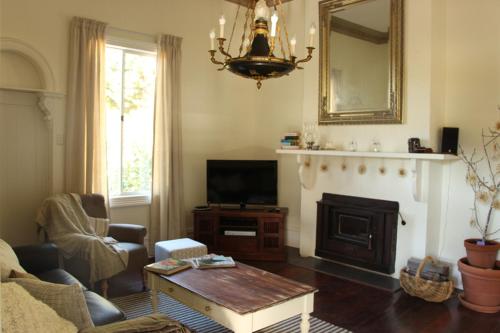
357	231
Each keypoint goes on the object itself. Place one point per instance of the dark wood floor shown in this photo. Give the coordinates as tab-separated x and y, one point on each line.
365	309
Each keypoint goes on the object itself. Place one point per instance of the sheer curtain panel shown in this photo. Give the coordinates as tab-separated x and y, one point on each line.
167	204
85	158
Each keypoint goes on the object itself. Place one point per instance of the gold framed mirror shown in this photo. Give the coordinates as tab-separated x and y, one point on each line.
361	62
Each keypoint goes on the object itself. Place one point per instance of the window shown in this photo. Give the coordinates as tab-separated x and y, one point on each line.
130	89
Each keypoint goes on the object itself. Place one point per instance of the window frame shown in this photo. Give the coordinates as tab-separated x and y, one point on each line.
129	45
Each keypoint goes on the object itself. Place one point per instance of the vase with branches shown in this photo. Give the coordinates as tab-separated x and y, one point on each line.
483	175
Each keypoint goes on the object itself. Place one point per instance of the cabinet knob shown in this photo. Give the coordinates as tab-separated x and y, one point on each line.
207	308
170	290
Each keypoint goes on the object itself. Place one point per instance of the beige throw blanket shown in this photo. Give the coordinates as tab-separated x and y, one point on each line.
69	227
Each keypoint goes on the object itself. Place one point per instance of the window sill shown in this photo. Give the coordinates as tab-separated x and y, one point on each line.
130	201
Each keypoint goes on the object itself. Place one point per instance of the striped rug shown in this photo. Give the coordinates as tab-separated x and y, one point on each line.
139	304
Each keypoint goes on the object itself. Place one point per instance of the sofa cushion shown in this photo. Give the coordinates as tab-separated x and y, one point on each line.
21	312
67	301
59	276
137	255
101	310
8	261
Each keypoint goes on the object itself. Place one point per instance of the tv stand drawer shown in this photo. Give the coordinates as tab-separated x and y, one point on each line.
237	243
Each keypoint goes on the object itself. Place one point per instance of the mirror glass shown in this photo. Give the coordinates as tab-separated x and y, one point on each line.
360	62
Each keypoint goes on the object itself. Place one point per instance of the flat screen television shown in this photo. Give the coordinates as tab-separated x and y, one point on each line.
242	182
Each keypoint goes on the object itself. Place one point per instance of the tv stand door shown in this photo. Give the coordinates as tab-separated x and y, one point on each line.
267	226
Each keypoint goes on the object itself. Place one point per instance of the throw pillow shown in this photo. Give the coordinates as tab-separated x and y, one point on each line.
67	300
21	275
21	313
8	261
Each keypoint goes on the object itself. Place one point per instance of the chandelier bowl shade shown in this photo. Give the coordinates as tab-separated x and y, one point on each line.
260	68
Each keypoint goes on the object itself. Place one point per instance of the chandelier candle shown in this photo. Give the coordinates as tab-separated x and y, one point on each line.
222	23
293	46
262	53
274	24
312	32
212	40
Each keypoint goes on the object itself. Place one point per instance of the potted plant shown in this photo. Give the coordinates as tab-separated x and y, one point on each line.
482	252
480	270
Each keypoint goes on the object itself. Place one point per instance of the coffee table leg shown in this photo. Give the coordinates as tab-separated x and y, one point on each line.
153	285
304	325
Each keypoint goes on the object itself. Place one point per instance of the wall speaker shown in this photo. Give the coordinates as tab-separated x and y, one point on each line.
449	142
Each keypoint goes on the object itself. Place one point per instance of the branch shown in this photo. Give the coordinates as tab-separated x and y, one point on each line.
485	148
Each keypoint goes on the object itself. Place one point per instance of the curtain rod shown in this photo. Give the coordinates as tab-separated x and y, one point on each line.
132	32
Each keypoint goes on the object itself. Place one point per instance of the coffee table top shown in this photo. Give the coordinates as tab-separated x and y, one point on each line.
242	289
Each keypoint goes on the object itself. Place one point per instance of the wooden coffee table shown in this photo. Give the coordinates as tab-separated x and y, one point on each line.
244	299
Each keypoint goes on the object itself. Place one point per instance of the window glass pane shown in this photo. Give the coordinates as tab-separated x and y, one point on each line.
138	115
114	73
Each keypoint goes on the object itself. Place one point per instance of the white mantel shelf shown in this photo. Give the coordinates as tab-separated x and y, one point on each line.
359	154
415	163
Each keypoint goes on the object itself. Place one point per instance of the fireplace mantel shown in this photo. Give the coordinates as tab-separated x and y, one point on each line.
304	157
367	154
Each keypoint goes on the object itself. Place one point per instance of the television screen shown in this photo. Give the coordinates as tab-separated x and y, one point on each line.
242	182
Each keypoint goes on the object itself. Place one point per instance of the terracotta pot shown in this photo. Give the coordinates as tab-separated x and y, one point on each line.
481	286
483	256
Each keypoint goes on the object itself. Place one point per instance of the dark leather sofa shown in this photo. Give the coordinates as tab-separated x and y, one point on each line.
43	261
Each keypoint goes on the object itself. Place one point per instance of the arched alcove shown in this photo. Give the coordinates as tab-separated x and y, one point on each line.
23	67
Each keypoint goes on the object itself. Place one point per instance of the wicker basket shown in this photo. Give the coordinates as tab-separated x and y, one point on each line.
431	291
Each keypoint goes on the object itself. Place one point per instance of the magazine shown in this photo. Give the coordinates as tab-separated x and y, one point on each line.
212	261
168	266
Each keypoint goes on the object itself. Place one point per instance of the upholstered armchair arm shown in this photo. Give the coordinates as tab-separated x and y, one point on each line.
38	258
131	233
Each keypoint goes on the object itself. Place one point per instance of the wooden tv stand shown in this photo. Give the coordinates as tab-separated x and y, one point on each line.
264	231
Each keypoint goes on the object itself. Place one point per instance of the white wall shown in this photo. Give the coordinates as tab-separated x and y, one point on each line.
472	98
223	116
451	79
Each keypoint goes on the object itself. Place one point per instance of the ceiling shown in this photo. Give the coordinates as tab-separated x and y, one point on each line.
245	2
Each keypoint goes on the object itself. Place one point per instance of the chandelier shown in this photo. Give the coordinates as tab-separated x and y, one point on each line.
260	43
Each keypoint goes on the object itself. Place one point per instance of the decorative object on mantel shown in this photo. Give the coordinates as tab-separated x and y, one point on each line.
291	141
480	270
311	135
431	290
414	147
256	57
352	146
376	146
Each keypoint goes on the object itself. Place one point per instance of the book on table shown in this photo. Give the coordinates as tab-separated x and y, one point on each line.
212	261
168	266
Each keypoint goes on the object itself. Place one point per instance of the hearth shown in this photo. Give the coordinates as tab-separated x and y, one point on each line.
357	231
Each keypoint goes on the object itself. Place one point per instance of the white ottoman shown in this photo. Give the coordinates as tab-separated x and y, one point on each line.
181	248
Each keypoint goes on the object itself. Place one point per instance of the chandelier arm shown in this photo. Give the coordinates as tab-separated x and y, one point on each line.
234	27
310	50
247	17
280	10
282	47
212	58
252	22
221	48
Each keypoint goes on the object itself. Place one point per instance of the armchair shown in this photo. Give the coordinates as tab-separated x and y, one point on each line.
129	236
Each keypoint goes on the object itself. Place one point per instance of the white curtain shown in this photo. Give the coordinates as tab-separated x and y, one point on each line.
85	158
167	204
